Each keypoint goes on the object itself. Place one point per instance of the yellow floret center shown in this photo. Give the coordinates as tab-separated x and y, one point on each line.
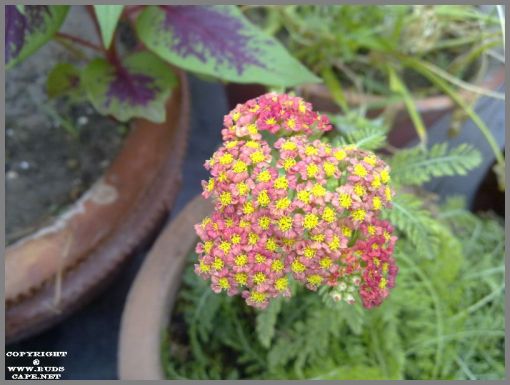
335	243
257	296
252	144
204	267
359	190
257	157
248	208
225	246
347	231
277	266
241	260
264	176
226	159
271	244
282	203
297	267
285	223
235	239
376	203
288	163
360	170
281	284
252	238
303	196
314	280
239	167
345	200
312	170
318	190
326	262
259	278
241	278
264	222
358	215
225	198
310	150
309	252
310	221
242	188
217	264
252	129
340	154
263	198
223	283
208	246
385	176
329	168
289	146
328	215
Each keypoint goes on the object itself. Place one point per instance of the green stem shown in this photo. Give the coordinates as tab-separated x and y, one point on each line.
78	40
398	86
335	88
440	83
485	300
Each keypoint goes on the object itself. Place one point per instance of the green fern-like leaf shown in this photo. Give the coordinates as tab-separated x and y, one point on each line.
307	340
414	166
414	222
361	132
266	321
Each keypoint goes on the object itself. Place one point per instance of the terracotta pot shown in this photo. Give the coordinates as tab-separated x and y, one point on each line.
431	109
152	296
54	271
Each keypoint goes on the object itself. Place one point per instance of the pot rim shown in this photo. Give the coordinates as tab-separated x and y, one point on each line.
437	102
55	270
149	304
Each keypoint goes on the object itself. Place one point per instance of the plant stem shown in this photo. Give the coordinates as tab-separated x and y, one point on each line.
335	88
110	53
78	40
441	84
92	14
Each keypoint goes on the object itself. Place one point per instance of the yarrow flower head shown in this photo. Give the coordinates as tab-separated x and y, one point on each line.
275	113
297	209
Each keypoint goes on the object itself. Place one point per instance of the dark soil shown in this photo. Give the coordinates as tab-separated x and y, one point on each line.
54	151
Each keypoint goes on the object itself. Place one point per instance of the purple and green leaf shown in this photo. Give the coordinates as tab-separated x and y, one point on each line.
29	28
219	41
137	87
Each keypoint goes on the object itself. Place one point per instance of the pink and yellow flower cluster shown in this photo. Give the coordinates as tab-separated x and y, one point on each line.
294	209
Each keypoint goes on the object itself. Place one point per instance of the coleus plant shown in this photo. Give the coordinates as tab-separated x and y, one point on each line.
215	41
290	206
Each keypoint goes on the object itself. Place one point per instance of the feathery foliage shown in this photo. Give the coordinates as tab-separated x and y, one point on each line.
415	222
360	131
266	322
444	320
414	166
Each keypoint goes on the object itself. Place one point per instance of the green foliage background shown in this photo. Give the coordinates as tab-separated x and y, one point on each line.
443	320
